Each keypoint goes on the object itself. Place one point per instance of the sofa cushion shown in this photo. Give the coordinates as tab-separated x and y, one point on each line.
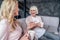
51	22
46	27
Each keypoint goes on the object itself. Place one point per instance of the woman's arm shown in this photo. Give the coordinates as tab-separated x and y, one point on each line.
40	24
25	37
30	24
3	27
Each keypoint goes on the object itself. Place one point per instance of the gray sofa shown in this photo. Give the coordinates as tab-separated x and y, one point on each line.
50	23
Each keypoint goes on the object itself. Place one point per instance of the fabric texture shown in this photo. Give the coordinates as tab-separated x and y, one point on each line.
5	33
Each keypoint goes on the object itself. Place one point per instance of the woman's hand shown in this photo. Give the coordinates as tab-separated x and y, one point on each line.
31	25
25	37
39	24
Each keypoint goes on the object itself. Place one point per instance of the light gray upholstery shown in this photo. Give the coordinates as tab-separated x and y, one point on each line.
50	23
23	24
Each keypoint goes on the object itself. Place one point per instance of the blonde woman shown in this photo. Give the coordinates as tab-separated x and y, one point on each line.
9	26
34	23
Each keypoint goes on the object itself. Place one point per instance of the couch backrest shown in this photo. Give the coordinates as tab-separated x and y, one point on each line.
51	22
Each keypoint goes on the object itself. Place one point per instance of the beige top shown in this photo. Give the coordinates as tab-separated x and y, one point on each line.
36	19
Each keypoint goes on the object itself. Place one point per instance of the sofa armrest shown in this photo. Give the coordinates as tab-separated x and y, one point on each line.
52	29
46	27
59	28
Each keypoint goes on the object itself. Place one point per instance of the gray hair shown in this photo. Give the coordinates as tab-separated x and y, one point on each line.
34	8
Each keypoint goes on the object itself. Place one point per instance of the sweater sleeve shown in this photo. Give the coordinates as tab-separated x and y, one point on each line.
3	27
41	21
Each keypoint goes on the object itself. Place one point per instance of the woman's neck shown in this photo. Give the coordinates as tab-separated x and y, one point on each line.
33	16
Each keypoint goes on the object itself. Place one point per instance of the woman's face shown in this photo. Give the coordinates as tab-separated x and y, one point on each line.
16	11
33	12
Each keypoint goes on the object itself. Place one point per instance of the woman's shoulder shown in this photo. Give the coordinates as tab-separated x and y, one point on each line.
3	21
3	28
28	16
39	16
4	25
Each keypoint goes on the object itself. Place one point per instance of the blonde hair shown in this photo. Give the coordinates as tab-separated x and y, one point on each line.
34	8
6	10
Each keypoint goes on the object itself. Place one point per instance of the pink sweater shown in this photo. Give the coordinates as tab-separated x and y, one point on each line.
5	34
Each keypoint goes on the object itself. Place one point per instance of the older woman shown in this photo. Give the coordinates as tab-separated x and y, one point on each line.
35	23
9	26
